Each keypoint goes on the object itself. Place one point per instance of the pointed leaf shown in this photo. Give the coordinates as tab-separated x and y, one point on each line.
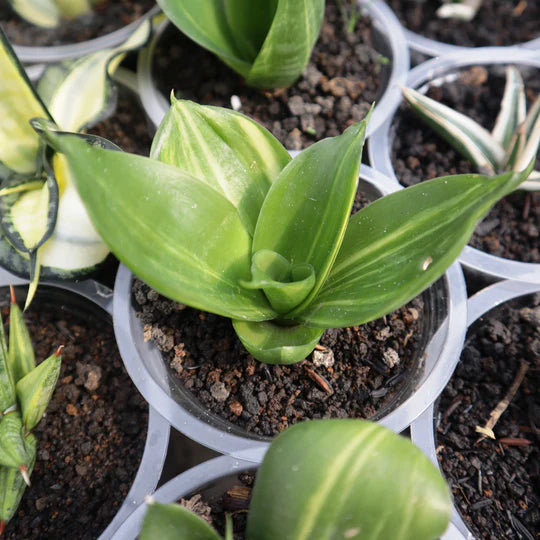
273	344
464	134
305	213
19	144
42	13
13	452
233	154
330	479
34	390
174	522
175	232
513	108
531	129
7	385
287	48
400	244
21	353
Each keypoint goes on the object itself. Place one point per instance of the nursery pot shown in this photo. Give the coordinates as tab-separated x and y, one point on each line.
423	430
445	307
388	35
90	298
59	53
436	72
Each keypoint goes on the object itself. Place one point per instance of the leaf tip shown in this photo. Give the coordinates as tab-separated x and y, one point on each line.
2	526
25	475
12	294
59	351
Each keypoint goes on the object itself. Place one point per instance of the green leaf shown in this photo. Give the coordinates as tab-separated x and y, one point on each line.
273	344
330	479
513	108
34	390
206	24
174	522
42	13
13	451
174	231
287	47
19	144
398	245
531	137
305	213
462	133
233	154
21	352
7	385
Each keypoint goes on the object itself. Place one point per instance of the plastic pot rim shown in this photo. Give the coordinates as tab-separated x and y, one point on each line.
380	146
156	104
157	437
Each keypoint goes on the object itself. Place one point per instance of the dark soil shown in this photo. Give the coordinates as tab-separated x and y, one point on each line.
342	79
511	229
348	375
498	22
108	17
91	440
496	484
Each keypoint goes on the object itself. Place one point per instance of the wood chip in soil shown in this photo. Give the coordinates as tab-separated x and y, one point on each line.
496	484
512	228
344	76
92	437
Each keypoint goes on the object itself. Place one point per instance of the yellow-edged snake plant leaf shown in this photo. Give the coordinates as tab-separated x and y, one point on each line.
330	479
268	43
48	13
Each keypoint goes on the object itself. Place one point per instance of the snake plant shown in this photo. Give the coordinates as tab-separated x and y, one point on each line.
329	479
268	43
44	225
222	219
25	391
512	143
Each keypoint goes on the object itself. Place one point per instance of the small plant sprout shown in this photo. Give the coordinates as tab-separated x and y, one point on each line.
350	13
221	218
329	479
25	392
43	223
464	10
268	43
512	144
49	13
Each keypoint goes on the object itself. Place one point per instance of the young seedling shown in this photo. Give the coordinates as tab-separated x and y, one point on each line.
268	43
221	218
49	13
25	392
512	144
329	479
44	224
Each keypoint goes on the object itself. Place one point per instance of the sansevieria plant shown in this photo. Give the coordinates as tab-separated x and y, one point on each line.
268	43
44	226
222	219
329	479
25	392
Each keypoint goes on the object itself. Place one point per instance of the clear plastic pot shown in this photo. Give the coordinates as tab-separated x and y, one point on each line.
423	429
445	330
389	35
157	438
437	69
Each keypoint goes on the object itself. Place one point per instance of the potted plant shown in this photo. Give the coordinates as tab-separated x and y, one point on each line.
427	152
349	68
496	436
52	31
75	479
304	485
436	27
242	269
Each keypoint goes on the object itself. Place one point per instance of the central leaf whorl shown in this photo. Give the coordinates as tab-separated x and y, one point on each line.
285	285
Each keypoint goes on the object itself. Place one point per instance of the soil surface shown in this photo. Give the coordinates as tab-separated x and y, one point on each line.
512	228
344	76
354	372
109	16
496	483
497	22
91	440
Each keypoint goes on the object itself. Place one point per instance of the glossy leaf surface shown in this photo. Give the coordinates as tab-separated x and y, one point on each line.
7	385
330	479
398	245
228	151
195	246
21	352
